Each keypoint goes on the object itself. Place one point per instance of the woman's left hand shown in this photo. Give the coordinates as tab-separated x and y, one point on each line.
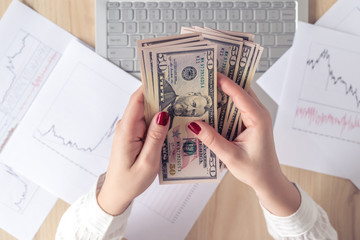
135	156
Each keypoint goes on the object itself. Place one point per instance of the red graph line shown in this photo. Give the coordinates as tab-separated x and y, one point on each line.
317	118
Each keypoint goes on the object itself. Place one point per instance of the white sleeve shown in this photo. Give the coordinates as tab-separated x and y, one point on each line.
84	219
310	221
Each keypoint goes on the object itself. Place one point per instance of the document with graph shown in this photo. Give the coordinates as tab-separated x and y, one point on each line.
67	131
318	122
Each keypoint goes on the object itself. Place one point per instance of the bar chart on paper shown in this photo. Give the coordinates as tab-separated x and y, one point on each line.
71	127
329	102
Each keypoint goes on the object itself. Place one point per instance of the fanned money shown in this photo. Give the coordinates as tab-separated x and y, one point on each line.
179	75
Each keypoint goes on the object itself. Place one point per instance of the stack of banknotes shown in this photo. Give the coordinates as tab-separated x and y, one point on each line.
179	76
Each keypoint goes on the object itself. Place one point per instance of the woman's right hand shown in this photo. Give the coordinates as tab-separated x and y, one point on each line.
251	157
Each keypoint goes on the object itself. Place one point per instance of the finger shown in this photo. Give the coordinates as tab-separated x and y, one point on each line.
155	137
213	140
135	108
242	100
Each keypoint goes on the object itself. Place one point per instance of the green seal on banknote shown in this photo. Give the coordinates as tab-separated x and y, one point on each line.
189	147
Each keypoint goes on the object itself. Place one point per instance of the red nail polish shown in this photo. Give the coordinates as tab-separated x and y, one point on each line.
194	127
162	118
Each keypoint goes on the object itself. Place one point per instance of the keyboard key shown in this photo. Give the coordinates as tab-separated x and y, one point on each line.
202	4
237	26
263	66
260	15
127	65
184	24
194	14
224	25
121	53
139	4
228	4
197	24
177	4
130	27
277	52
116	62
140	14
167	14
207	14
284	40
154	14
265	4
265	54
190	4
210	25
289	27
253	4
170	27
126	4
180	14
250	27
115	27
234	14
276	27
288	14
137	66
157	27
247	14
149	36
240	4
164	4
121	40
263	27
127	14
215	4
268	40
290	4
257	39
220	14
144	27
113	4
134	39
151	4
278	4
114	14
273	14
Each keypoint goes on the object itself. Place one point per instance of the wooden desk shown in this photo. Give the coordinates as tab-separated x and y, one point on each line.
233	211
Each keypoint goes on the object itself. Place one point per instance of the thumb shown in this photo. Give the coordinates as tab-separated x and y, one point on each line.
155	138
223	149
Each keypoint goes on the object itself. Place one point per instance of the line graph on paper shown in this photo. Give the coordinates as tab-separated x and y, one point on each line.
16	191
77	126
24	67
329	103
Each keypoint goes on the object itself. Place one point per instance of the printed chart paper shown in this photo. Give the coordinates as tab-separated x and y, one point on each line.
318	122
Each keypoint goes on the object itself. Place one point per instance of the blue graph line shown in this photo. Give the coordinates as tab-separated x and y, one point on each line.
349	89
52	132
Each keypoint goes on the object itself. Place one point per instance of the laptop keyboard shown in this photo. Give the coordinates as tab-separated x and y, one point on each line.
273	24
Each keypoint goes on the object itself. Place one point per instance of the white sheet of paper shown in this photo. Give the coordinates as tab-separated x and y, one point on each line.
67	132
168	211
343	16
318	121
30	47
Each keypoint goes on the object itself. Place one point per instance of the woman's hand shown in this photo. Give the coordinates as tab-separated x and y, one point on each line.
135	156
251	157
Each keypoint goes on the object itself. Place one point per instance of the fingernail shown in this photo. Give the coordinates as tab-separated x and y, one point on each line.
162	118
194	127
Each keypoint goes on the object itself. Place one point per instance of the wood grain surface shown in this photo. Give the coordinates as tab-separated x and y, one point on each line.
233	211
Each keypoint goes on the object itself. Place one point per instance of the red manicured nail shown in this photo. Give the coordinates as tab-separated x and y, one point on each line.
194	127
162	118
